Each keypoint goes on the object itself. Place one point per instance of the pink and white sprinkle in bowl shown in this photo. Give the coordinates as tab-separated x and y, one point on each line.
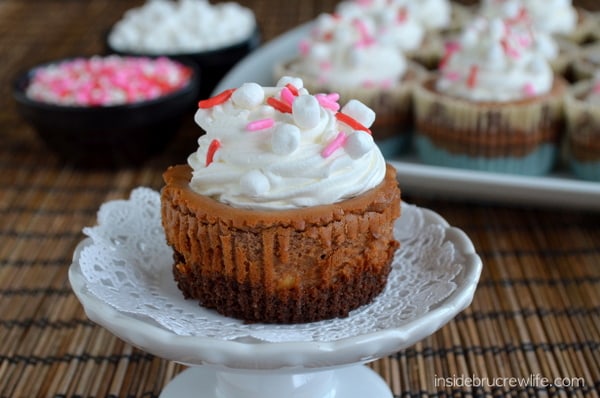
107	111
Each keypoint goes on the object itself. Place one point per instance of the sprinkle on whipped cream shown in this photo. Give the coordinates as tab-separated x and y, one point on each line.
281	147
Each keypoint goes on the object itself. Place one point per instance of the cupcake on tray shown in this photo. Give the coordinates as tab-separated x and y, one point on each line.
495	105
362	58
582	107
285	212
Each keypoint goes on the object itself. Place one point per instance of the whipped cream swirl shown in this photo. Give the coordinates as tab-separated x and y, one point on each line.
495	60
283	148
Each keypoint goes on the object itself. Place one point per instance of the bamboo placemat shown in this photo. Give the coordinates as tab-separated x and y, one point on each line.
536	312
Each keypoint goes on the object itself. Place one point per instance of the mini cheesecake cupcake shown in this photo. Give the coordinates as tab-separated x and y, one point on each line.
285	212
582	108
496	104
351	56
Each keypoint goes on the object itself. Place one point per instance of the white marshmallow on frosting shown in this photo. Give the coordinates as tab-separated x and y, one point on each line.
358	143
285	139
306	111
248	95
294	81
254	183
360	112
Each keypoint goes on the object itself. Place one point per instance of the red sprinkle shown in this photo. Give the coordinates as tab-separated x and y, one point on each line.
292	88
402	15
279	105
350	121
216	100
212	148
450	48
472	78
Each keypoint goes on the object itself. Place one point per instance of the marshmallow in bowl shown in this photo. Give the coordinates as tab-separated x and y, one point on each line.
183	26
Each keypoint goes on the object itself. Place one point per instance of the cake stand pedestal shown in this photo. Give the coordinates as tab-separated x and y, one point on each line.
356	381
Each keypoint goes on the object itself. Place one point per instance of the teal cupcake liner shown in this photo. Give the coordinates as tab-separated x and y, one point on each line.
536	163
586	170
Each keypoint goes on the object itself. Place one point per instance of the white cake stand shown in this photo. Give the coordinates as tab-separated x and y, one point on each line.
251	368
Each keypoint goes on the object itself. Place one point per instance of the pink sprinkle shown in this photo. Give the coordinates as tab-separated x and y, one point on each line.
509	50
525	41
387	83
529	89
337	142
596	88
514	54
333	96
369	84
327	102
304	47
325	65
362	28
287	95
452	46
451	75
402	15
261	124
365	42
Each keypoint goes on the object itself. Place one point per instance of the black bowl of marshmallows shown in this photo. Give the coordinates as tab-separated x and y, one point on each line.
214	37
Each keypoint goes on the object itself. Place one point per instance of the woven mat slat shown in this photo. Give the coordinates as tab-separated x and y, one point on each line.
536	312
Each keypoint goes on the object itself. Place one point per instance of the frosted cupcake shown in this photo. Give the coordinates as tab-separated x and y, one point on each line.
285	212
582	107
496	104
350	56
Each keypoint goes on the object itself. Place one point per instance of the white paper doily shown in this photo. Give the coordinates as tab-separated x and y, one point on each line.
128	266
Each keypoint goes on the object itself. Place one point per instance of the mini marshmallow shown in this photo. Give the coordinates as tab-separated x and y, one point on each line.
285	139
497	28
358	143
295	81
248	95
306	111
360	112
254	183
